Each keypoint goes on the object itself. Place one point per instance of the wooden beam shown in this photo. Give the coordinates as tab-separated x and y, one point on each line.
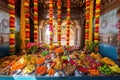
110	6
3	6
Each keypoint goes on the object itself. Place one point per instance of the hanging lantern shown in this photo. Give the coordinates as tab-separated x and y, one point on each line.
35	20
68	24
27	21
11	5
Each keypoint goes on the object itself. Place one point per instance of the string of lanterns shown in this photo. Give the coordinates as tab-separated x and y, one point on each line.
87	25
59	22
11	5
68	24
27	21
97	17
51	21
35	20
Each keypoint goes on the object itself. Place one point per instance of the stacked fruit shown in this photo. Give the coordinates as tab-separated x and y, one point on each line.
107	61
51	72
17	66
94	72
41	70
96	56
29	69
115	68
40	60
105	70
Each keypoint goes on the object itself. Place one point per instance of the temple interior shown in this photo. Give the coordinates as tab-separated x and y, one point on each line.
59	39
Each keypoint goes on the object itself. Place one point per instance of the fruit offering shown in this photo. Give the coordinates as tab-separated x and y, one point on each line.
107	61
51	72
96	56
70	70
41	70
105	70
115	68
48	57
83	70
94	72
17	66
29	69
82	55
45	53
40	60
65	57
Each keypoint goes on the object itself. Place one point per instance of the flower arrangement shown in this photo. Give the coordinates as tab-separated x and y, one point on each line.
35	20
51	21
68	23
32	47
97	21
11	5
59	22
27	21
87	25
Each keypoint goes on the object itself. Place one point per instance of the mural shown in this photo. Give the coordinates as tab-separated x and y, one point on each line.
108	30
4	28
108	22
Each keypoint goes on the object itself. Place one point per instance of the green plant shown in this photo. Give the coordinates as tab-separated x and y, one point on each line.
92	46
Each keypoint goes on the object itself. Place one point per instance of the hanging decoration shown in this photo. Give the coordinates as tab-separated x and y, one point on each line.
97	17
68	24
11	5
51	21
35	20
87	25
59	22
91	21
27	21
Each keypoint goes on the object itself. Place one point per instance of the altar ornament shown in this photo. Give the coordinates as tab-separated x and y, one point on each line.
11	5
68	24
51	21
59	22
35	20
87	24
58	62
27	21
97	19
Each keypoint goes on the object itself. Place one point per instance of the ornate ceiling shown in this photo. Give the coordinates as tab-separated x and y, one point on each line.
74	3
